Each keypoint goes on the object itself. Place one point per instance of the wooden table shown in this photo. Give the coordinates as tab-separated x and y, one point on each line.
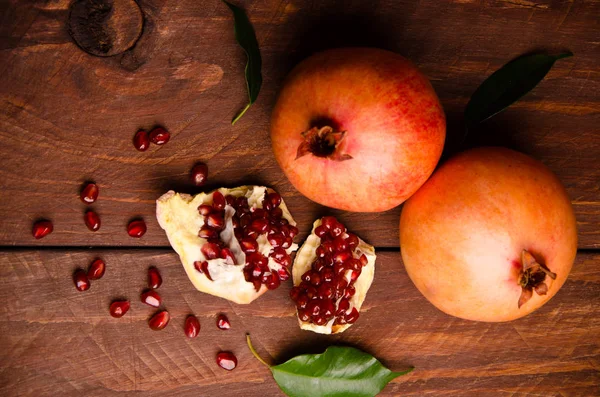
67	117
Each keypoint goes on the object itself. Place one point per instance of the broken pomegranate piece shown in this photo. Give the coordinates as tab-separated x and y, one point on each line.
233	243
332	273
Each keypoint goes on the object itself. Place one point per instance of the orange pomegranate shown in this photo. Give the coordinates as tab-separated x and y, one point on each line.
491	236
358	129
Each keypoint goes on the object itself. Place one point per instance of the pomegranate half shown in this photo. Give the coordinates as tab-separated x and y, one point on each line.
358	129
233	243
491	236
332	273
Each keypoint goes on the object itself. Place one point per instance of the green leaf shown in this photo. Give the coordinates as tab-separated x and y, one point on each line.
246	38
338	372
507	85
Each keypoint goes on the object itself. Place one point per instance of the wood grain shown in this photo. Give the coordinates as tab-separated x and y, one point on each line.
57	341
67	117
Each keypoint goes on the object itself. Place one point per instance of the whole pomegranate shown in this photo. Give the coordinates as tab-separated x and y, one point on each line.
358	129
491	236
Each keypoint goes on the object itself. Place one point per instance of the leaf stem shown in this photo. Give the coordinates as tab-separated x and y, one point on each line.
250	343
240	114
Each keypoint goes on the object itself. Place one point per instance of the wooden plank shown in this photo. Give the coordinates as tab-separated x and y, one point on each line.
57	341
67	117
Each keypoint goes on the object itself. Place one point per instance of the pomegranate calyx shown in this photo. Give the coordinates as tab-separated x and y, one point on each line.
532	278
323	142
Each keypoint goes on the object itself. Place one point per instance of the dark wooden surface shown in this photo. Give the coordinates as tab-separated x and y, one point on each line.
67	117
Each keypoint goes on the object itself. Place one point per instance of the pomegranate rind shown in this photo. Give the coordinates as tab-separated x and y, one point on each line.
306	255
177	214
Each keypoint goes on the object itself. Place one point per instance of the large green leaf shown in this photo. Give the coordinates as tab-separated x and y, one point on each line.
507	85
338	372
246	38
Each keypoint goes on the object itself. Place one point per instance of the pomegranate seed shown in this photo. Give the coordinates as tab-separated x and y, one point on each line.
319	320
287	242
154	278
273	281
318	265
210	251
218	201
223	322
192	326
228	256
215	220
258	259
283	273
257	285
302	301
202	267
342	257
321	231
159	321
81	280
363	260
295	292
303	315
207	232
279	255
327	274
253	234
328	222
353	264
352	241
276	240
276	214
42	229
199	174
96	269
119	308
355	275
260	225
89	193
141	141
205	209
349	292
259	213
340	287
293	231
337	230
352	316
241	202
315	279
311	292
327	309
343	306
92	220
314	307
339	244
256	272
151	298
274	199
136	228
226	360
159	136
326	291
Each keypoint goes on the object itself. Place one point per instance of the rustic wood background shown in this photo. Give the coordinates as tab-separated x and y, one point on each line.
67	117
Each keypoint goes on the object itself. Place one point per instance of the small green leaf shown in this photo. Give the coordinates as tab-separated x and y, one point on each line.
246	38
338	372
507	85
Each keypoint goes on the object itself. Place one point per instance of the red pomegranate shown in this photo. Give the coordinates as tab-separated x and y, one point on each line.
358	129
491	236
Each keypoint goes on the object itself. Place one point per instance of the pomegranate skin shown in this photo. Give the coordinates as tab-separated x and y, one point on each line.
395	128
462	234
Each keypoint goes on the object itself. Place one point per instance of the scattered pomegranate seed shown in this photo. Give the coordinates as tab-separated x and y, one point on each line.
151	298
89	194
154	278
96	269
42	229
199	174
159	136
119	308
141	140
223	322
159	320
192	326
81	280
92	220
226	360
136	228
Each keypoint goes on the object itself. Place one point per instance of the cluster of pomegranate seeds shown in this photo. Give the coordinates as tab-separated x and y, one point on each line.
199	174
136	228
192	326
42	229
92	220
159	321
326	288
227	360
248	225
96	269
158	136
223	322
89	193
119	308
81	280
